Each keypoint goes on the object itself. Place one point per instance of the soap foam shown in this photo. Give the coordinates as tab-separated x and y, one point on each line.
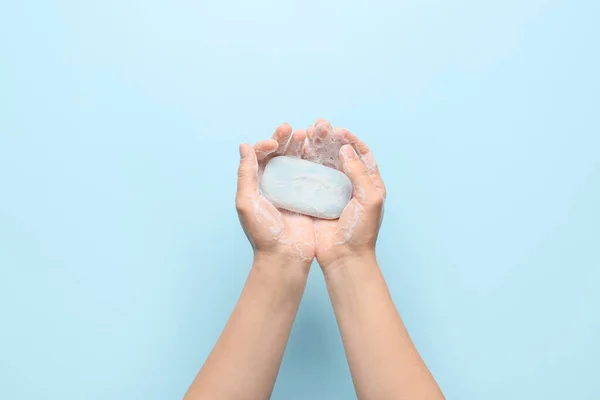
369	162
346	232
268	216
299	247
324	144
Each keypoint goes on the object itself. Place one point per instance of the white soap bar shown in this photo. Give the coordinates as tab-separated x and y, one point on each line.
305	187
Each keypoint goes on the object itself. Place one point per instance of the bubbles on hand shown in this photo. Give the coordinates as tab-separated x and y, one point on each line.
323	147
355	213
267	215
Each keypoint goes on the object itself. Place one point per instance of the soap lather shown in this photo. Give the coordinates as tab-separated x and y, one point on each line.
306	187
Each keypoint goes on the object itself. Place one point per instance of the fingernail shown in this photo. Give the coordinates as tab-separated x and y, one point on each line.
243	151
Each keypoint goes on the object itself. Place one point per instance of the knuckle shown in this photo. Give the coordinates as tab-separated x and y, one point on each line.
241	206
377	201
383	192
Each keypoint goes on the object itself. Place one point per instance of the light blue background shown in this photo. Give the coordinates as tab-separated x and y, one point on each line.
120	251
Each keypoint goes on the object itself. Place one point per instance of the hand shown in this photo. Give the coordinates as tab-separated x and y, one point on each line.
272	232
354	234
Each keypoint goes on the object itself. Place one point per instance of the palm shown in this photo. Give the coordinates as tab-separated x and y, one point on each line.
301	233
290	232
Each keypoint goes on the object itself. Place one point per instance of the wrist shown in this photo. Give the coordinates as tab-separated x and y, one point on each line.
357	265
275	286
281	265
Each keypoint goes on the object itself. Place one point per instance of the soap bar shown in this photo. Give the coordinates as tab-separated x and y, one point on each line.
305	187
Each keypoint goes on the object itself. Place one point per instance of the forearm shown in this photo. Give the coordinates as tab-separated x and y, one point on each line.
382	358
245	361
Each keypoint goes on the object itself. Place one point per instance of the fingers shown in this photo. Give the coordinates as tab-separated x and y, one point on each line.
322	130
247	174
358	174
265	148
323	146
366	156
282	136
310	132
309	152
295	145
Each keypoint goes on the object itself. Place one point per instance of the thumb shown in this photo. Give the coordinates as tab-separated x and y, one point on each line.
356	171
247	171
